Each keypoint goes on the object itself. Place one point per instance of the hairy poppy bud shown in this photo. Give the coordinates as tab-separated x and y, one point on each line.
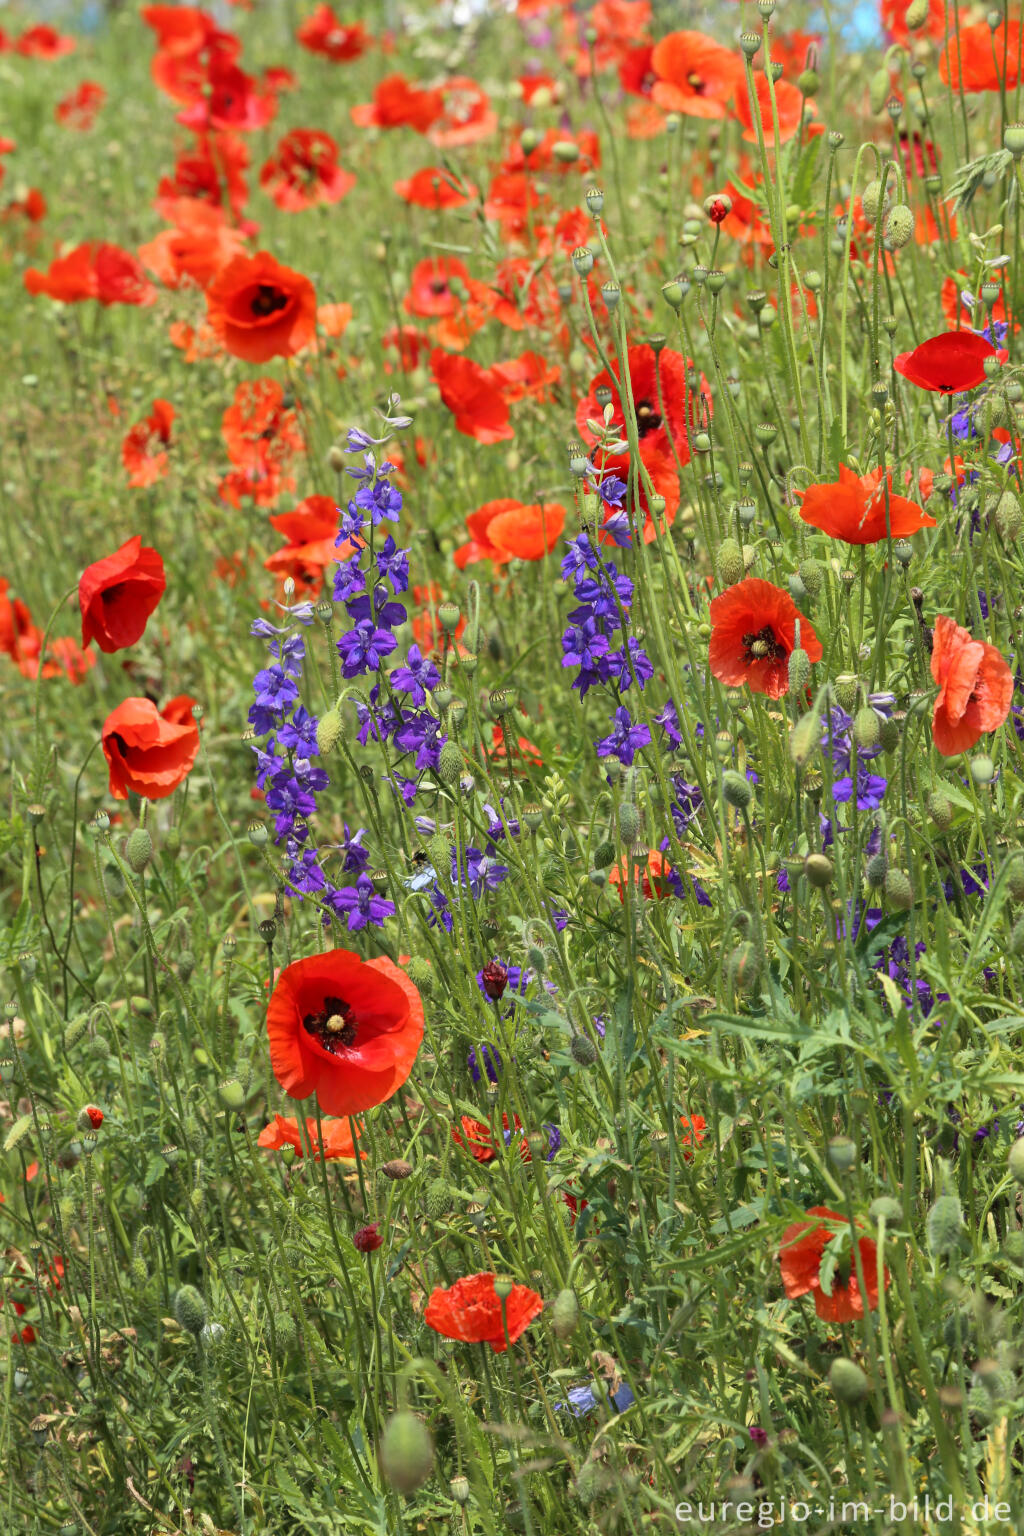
564	1314
421	974
449	763
804	738
983	769
583	1050
604	856
406	1452
729	562
330	728
899	226
808	82
190	1310
945	1225
743	967
812	574
737	790
798	672
846	688
899	892
1016	1161
885	1206
848	1382
918	12
866	728
439	1198
89	1118
629	824
139	850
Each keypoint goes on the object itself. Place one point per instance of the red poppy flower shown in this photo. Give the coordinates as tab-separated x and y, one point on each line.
226	97
213	172
790	109
409	343
476	1138
696	75
542	156
79	109
981	58
434	187
803	1248
612	25
310	531
259	309
659	466
948	364
258	427
753	627
283	1131
692	1135
506	529
398	104
144	466
118	594
466	116
473	395
469	1311
264	484
304	171
94	270
430	287
854	509
44	42
527	377
525	750
195	249
323	33
179	29
150	751
655	428
511	198
651	875
345	1029
367	1239
975	688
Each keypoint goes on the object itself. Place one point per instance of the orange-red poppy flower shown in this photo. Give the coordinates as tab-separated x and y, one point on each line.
975	688
44	42
511	198
258	427
473	395
894	19
466	116
665	415
612	25
696	75
118	594
477	1140
345	1029
150	752
399	104
259	309
657	465
431	293
80	108
323	33
525	750
753	629
856	509
948	364
436	188
790	108
692	1134
197	247
506	529
283	1131
310	530
651	875
981	58
527	377
226	97
212	171
143	449
93	270
304	171
800	1255
470	1313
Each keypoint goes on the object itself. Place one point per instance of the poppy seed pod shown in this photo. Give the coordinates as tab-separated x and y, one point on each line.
899	226
848	1382
583	260
945	1225
1013	138
819	870
406	1452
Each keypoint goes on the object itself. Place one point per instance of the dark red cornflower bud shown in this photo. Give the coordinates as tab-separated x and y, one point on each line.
495	979
367	1238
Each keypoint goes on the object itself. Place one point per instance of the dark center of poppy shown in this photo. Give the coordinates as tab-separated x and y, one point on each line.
647	418
695	83
763	646
267	300
333	1026
438	285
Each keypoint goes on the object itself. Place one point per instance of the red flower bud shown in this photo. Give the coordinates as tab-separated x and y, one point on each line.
367	1238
